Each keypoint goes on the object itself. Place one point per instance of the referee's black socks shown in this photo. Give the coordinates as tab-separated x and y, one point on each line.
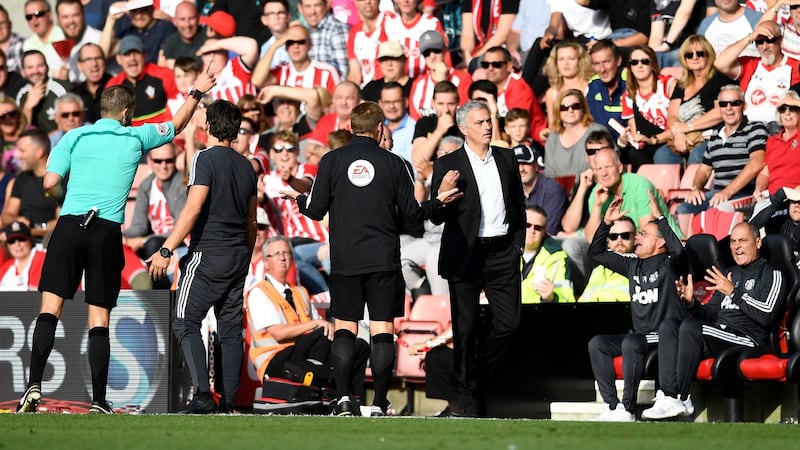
382	360
342	360
99	354
43	337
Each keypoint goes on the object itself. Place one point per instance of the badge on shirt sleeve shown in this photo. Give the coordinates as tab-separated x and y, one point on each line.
361	172
162	128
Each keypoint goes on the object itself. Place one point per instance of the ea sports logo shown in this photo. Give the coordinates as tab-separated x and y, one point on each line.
361	172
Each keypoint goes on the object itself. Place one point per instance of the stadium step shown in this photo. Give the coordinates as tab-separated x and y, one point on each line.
582	411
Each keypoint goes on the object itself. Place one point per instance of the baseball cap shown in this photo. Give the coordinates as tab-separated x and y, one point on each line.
261	217
130	43
17	230
430	40
221	22
532	153
391	49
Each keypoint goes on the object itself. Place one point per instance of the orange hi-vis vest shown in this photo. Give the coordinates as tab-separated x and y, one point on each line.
262	345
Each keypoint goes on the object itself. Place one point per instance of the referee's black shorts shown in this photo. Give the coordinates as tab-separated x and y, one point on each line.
382	292
96	251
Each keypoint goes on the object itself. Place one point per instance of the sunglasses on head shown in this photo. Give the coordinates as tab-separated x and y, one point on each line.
292	42
495	64
13	114
67	114
245	131
280	148
592	150
734	103
625	235
574	107
162	161
535	226
765	40
643	61
431	51
35	15
792	108
247	110
697	54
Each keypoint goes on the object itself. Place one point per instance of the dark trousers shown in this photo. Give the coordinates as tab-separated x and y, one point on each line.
494	269
633	348
681	346
439	375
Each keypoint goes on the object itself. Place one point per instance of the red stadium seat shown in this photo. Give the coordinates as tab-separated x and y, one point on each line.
665	177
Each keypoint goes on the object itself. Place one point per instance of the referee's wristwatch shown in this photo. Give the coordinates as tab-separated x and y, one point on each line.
165	252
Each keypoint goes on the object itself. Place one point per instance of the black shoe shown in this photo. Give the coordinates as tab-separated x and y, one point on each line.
468	407
447	412
202	403
103	407
30	399
343	407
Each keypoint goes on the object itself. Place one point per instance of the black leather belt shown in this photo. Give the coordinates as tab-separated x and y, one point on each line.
493	240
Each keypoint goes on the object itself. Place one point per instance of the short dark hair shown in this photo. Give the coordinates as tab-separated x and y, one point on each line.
39	138
187	64
627	219
365	118
69	2
224	119
499	49
445	87
250	122
116	98
518	113
483	86
31	53
282	2
600	137
538	210
393	85
605	44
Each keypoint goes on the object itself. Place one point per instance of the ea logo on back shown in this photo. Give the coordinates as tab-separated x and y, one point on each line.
361	172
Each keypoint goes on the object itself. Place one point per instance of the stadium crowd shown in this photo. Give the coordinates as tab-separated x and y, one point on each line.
598	100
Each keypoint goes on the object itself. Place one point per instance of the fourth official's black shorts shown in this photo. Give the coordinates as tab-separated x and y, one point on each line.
382	292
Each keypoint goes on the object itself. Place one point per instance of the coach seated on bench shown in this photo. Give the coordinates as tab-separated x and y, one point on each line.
748	299
285	326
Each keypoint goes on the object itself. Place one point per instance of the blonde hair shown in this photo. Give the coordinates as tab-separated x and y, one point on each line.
557	124
687	78
23	120
550	69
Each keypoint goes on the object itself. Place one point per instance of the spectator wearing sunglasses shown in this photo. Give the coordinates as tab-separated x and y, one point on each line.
70	114
691	107
307	235
44	32
160	199
544	271
645	106
432	47
604	284
763	79
652	270
780	161
735	154
512	90
23	270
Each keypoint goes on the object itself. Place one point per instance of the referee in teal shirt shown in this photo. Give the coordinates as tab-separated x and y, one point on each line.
101	160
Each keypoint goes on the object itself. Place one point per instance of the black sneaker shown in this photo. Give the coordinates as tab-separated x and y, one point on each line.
343	407
446	412
202	403
103	407
30	399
